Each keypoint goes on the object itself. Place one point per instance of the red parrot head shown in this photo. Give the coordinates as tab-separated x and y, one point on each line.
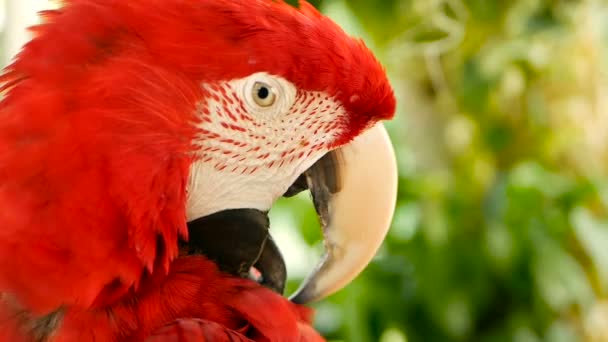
125	120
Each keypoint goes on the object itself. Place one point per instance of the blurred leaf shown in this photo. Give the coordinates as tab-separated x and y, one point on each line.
561	280
296	3
593	236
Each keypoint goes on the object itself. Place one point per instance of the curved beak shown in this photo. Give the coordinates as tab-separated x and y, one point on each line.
354	190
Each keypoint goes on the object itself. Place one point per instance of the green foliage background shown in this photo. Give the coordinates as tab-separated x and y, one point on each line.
501	230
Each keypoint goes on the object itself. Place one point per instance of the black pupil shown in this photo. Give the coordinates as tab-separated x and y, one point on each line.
263	93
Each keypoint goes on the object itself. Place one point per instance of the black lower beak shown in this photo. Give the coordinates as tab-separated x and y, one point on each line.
237	240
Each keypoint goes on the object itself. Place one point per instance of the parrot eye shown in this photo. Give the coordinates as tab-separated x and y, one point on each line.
266	97
263	94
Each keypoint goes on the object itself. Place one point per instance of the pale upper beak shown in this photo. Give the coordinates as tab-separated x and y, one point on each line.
354	190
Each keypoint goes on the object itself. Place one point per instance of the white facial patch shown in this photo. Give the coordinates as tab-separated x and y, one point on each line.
250	152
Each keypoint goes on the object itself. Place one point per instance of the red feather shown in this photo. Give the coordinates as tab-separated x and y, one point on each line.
220	306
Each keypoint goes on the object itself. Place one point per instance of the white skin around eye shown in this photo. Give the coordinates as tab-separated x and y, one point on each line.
250	154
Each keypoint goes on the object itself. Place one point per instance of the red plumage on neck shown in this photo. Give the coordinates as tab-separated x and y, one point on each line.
193	303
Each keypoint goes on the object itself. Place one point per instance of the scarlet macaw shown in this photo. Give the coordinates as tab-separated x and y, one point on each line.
142	143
